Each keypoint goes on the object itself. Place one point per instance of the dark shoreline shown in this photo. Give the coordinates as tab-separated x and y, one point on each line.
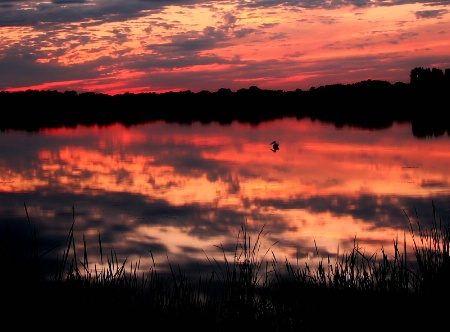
370	104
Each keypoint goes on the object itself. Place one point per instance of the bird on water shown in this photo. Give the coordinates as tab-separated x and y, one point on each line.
275	146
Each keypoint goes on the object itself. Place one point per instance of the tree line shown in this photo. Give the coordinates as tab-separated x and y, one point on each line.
368	104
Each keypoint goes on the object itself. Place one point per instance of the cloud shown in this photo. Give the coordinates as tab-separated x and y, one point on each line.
42	14
438	13
116	46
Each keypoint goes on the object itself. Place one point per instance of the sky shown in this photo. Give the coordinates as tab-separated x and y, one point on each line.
135	46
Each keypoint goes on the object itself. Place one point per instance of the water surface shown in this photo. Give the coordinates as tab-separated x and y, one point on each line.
182	192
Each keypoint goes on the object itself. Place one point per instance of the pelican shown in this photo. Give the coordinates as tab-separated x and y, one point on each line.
275	146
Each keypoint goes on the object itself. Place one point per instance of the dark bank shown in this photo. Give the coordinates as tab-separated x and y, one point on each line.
370	104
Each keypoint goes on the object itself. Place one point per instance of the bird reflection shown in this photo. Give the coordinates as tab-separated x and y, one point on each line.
275	146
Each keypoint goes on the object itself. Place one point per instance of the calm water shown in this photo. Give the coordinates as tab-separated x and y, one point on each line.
181	191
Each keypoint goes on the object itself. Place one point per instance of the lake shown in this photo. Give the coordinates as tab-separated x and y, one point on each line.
180	193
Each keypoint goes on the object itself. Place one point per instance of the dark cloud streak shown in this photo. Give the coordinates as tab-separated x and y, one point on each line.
431	13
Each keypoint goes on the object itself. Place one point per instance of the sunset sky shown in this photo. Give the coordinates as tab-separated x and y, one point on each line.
118	46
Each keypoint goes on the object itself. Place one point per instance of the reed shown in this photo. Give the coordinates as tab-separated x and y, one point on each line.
244	291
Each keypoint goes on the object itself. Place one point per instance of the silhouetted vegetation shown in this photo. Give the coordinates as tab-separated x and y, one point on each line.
371	104
243	291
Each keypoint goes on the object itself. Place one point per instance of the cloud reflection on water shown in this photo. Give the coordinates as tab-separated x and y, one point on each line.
179	191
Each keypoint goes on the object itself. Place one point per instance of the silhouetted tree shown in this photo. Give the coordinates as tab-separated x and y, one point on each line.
368	104
426	77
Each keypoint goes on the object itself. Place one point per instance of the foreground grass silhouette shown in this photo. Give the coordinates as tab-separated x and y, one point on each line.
242	293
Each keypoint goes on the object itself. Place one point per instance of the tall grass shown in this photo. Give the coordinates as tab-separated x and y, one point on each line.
245	291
